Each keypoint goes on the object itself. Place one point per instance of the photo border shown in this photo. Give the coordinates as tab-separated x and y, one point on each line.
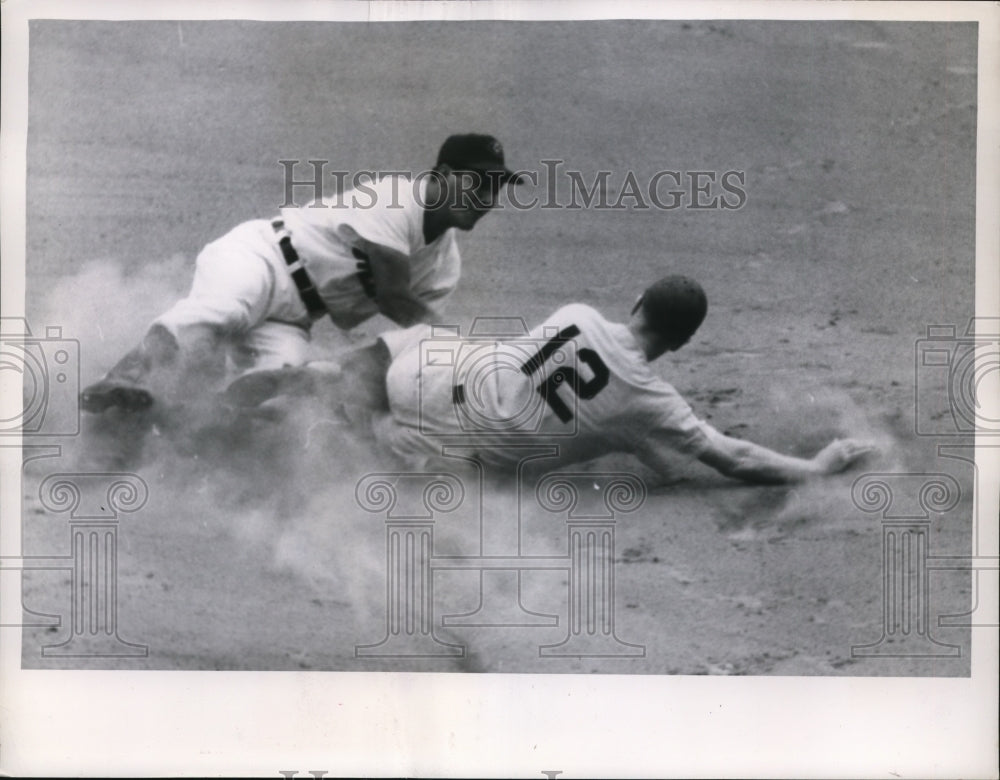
491	725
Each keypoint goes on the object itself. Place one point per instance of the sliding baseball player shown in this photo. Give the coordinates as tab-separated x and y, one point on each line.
580	382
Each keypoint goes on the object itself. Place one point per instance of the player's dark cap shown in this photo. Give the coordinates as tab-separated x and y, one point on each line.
675	307
482	154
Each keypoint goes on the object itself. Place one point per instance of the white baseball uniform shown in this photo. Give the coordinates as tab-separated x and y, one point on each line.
243	288
578	381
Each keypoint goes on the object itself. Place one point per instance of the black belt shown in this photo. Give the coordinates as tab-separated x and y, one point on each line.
307	290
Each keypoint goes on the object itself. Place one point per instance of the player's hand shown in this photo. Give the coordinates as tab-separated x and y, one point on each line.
840	454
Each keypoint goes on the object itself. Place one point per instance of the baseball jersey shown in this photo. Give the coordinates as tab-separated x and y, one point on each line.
576	381
387	211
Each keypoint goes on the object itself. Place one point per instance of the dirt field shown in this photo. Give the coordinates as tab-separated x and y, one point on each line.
856	140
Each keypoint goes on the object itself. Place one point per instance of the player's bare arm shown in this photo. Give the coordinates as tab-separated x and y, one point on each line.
663	319
749	462
390	275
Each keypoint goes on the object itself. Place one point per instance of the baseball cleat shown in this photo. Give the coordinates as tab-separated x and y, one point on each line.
108	393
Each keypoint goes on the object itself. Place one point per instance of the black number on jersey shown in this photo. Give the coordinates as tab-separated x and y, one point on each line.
584	389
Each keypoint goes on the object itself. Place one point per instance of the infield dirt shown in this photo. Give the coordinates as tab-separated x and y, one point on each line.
857	143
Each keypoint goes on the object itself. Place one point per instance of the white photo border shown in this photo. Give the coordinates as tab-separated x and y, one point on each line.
186	723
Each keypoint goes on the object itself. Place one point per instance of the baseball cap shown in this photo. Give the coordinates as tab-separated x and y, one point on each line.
675	306
480	153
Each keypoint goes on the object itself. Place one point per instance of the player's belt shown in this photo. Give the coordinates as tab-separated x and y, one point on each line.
307	290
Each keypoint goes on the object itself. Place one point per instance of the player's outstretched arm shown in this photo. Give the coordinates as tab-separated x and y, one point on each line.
390	276
753	463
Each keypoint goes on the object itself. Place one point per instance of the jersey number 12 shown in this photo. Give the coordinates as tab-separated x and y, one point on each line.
584	389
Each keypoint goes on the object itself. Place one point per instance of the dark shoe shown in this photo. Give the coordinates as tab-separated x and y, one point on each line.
109	393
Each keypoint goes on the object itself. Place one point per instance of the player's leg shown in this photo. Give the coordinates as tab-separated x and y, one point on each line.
270	361
354	381
270	345
122	387
119	407
180	357
232	290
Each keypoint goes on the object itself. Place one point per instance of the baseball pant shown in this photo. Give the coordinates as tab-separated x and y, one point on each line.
243	292
242	300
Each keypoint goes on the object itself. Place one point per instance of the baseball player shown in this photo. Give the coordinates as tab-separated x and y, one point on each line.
578	381
389	247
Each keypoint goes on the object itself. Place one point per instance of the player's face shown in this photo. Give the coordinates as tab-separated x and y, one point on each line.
471	196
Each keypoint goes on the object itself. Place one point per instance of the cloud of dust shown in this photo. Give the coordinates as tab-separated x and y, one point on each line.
108	310
279	493
817	417
276	495
812	418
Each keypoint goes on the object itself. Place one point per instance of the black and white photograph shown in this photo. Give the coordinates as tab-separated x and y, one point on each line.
386	345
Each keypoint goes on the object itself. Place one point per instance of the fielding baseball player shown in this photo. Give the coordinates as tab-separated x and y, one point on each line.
389	247
578	381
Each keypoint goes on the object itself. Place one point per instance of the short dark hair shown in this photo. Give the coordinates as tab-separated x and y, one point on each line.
674	307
